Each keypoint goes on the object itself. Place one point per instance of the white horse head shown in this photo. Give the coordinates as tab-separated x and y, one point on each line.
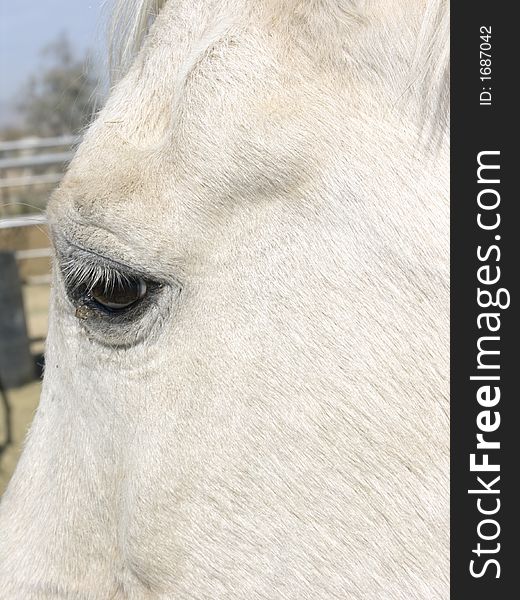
246	371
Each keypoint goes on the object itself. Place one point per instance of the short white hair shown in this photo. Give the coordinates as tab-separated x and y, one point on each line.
131	20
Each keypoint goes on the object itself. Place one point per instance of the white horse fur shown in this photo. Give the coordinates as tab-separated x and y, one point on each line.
273	424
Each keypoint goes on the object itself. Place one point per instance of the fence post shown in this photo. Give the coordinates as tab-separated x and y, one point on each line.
16	362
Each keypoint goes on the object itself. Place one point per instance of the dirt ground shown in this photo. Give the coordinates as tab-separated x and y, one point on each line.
23	401
36	304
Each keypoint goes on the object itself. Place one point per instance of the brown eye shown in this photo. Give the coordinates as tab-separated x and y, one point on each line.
119	294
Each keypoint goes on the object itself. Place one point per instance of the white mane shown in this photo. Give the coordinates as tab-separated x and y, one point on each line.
431	68
130	22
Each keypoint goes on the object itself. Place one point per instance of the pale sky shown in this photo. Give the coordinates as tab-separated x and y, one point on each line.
28	25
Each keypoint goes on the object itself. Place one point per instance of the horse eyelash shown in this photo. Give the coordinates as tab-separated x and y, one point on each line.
78	273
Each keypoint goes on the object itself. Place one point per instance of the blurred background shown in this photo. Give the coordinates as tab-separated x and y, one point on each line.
52	81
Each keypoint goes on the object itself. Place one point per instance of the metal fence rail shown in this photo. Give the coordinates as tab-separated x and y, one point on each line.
36	143
30	167
30	180
26	247
22	221
40	160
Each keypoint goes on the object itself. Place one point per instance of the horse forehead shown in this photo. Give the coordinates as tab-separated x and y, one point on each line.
142	152
194	119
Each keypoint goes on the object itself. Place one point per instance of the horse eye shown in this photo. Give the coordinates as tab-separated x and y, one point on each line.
120	294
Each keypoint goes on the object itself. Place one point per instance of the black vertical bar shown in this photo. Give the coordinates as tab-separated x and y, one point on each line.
484	120
16	361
